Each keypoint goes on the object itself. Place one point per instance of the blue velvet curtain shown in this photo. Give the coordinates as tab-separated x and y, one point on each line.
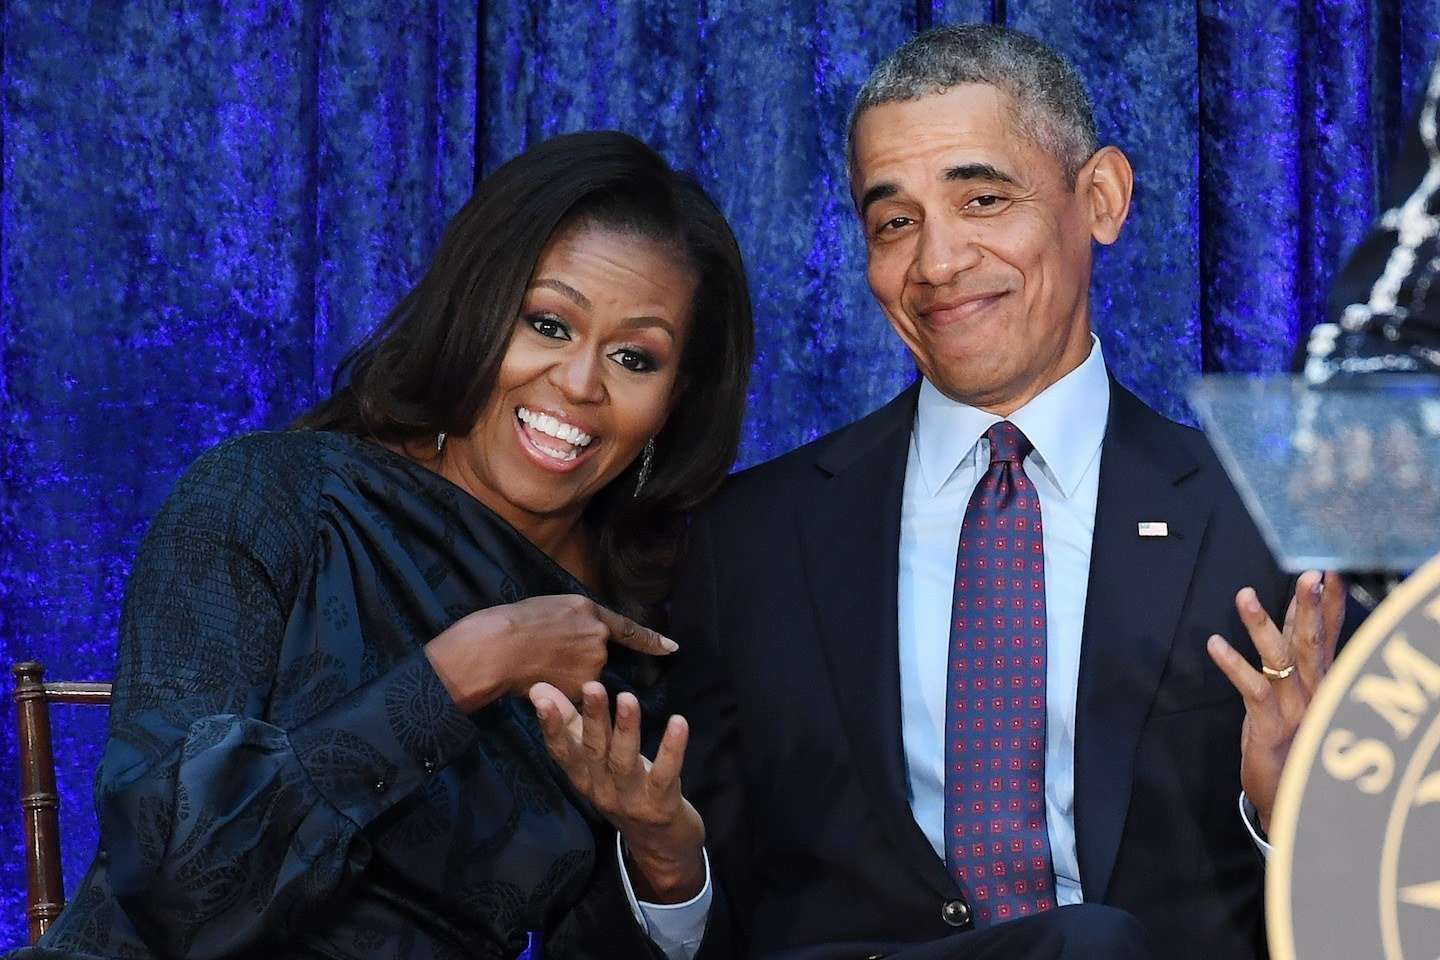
202	207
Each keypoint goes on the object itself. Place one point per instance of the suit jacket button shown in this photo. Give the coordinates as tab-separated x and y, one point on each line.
955	912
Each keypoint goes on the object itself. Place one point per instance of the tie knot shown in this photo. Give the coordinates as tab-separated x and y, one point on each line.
1007	443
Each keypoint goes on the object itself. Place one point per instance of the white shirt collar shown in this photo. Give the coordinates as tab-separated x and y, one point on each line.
1065	422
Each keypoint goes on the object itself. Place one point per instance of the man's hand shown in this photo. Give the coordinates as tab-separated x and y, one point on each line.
1296	660
664	835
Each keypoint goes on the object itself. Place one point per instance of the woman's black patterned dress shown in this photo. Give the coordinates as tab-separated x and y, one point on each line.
286	775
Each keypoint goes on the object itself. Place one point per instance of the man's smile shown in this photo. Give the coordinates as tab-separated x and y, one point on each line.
941	313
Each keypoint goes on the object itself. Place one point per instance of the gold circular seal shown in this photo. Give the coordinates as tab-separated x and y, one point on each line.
1354	867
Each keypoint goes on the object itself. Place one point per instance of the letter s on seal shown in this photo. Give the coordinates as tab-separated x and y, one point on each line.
1347	759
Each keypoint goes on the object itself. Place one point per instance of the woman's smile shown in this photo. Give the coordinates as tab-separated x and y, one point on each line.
555	442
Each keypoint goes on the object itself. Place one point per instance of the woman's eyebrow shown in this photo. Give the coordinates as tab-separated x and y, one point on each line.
563	288
658	323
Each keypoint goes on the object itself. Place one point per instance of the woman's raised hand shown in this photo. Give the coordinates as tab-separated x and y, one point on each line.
664	835
558	640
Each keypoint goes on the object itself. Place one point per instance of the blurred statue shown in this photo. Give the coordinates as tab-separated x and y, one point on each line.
1388	313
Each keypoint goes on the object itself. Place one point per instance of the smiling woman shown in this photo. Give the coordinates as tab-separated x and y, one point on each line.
589	378
581	243
320	740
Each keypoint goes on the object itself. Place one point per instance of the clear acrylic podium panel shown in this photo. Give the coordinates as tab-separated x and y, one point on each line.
1337	478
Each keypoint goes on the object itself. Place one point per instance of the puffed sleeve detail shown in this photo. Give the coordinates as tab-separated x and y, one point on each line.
224	831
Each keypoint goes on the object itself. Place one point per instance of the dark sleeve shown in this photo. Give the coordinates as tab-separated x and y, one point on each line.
606	925
698	686
224	831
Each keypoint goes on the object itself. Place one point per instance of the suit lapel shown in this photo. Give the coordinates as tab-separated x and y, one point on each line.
1136	592
851	537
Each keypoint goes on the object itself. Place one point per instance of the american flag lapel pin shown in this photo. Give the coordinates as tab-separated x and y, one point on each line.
1154	528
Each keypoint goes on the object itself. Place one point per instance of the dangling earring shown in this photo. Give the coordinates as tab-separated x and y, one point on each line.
647	460
439	443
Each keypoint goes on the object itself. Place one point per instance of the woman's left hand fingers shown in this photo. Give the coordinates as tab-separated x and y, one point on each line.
595	731
605	762
560	724
665	771
624	758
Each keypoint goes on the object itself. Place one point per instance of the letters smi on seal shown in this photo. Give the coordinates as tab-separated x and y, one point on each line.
1401	699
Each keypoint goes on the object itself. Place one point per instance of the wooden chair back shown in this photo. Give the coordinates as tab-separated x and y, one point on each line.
39	800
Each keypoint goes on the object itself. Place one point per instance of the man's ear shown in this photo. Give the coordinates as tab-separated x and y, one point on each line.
1105	183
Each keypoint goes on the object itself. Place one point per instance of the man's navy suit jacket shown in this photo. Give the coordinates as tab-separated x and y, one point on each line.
788	671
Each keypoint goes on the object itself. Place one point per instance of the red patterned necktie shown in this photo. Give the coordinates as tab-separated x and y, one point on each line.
996	842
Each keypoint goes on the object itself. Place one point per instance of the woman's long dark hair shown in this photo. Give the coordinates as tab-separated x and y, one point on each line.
432	364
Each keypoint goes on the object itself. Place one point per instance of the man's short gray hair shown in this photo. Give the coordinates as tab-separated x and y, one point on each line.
1052	109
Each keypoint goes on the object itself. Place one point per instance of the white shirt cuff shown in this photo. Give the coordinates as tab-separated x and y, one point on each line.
1252	825
676	928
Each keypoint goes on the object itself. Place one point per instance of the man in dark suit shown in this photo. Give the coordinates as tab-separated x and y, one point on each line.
948	671
815	619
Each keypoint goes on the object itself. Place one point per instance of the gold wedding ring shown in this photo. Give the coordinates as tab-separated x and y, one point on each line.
1272	674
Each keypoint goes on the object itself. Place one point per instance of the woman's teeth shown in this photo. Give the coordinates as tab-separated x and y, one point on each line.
572	436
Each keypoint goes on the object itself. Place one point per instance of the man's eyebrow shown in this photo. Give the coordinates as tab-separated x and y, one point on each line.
881	191
978	171
566	290
965	171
